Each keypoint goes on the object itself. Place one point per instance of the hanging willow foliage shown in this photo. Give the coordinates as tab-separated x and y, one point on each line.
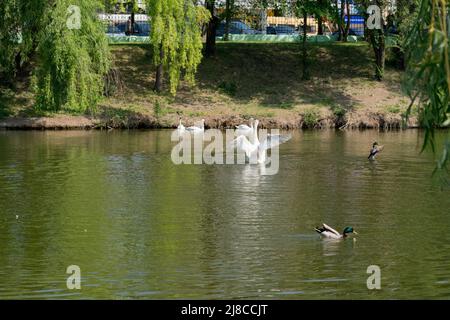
72	62
176	37
20	23
428	72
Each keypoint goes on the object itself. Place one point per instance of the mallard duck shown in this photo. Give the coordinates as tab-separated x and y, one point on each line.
376	149
328	232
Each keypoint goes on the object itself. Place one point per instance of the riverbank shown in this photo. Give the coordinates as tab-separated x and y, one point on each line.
243	80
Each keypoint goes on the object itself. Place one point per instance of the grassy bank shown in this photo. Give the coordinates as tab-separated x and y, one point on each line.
243	80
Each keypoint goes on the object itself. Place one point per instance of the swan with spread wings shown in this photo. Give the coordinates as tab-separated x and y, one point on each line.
255	146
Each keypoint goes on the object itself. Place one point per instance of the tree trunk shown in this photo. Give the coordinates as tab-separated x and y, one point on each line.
228	6
305	75
320	19
159	72
347	27
132	17
320	26
341	21
377	40
210	49
263	22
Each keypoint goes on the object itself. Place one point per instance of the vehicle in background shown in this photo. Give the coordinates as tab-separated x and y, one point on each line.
141	29
114	30
281	29
351	32
356	25
236	27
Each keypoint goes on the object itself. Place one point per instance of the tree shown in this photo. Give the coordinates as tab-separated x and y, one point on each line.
19	31
134	9
402	21
303	9
323	11
229	9
72	61
347	26
428	70
376	37
210	47
176	39
340	19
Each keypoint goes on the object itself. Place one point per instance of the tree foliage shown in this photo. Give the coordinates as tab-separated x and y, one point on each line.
377	37
20	23
70	62
304	8
428	71
176	37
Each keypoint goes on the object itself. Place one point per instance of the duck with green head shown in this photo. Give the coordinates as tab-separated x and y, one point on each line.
328	232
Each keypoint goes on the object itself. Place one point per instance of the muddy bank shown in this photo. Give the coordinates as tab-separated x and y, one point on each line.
352	120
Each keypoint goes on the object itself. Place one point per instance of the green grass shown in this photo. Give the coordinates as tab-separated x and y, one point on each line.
247	79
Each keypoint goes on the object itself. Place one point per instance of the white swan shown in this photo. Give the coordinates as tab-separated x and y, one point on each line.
244	129
250	147
271	141
195	129
241	143
180	127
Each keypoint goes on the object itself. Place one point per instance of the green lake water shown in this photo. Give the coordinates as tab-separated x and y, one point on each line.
140	227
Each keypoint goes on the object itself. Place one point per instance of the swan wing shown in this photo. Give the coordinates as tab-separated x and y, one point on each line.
241	143
243	127
274	140
244	132
193	128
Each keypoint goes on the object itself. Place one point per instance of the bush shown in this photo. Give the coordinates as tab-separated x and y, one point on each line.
310	118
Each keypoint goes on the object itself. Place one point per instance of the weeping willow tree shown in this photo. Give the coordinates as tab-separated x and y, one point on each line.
20	23
428	70
72	60
68	47
176	39
9	40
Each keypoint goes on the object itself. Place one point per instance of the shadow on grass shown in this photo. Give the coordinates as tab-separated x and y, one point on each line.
271	73
122	118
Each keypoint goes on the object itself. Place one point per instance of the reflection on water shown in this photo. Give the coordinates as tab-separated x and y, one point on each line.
141	227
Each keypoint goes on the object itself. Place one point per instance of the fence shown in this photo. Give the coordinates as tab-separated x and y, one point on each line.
119	25
296	23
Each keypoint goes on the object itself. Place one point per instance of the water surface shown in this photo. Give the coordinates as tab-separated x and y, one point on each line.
141	227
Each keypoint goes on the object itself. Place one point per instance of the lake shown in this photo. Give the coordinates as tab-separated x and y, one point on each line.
140	227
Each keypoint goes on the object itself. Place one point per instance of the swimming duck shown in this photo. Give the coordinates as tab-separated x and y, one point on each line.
328	232
375	150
